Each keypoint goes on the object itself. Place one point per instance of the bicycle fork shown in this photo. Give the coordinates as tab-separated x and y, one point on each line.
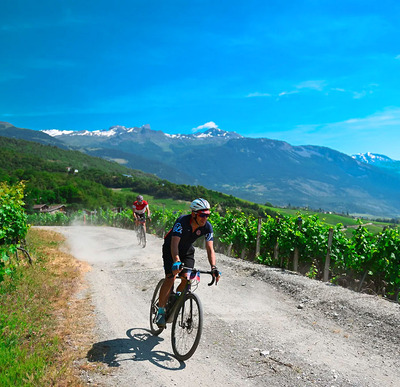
186	321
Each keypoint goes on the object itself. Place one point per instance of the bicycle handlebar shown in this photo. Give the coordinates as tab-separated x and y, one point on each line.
202	272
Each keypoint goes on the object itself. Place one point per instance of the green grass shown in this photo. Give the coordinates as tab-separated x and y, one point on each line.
30	342
168	204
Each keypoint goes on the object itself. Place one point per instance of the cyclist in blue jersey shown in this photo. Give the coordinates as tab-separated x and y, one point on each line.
178	250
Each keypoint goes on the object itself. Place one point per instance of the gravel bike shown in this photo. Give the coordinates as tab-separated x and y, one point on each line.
141	234
185	312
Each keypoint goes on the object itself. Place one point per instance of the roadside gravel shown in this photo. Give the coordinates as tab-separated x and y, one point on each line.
262	326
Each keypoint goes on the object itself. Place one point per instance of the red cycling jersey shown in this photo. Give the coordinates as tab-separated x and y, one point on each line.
140	208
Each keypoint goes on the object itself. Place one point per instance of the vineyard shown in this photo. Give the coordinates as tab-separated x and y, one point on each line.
303	243
13	226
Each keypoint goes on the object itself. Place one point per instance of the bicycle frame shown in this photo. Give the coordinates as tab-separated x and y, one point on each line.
170	312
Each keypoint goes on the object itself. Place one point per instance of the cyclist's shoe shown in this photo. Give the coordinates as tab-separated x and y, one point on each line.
160	318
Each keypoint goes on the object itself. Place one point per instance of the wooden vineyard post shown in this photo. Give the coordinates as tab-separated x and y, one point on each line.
295	259
328	256
258	237
296	250
276	248
276	254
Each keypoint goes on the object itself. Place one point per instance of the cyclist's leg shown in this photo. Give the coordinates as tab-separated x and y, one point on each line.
188	262
165	290
169	278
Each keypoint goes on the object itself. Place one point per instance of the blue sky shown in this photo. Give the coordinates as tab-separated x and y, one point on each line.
307	72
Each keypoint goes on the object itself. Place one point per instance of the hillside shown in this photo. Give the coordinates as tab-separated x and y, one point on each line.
59	176
8	130
16	153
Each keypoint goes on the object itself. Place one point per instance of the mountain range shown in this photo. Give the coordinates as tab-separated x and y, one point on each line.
260	170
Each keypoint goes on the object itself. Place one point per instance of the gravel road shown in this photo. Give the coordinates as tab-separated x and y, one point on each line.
262	326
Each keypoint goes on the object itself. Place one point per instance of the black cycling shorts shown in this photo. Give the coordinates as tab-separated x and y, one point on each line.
187	259
142	217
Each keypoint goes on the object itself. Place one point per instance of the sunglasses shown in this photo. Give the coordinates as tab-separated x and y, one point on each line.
204	215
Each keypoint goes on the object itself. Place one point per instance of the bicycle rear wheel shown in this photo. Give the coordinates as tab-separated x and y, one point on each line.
155	330
143	237
187	327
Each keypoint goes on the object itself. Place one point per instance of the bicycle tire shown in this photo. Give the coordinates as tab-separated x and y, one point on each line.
141	236
154	328
187	327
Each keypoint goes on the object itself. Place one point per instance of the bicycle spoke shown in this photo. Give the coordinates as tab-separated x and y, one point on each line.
187	328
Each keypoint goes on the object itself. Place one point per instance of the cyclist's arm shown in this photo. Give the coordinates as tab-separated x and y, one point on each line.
211	258
210	252
175	248
148	211
175	251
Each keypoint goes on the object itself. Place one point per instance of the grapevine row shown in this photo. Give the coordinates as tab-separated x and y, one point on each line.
13	226
364	262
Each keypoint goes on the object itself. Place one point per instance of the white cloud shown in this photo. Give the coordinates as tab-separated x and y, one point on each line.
288	93
313	85
387	118
207	125
398	57
257	94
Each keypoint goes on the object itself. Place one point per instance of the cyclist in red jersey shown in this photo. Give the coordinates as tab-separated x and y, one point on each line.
140	207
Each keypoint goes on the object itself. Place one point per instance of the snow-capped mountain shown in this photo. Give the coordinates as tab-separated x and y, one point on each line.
380	161
113	131
373	158
118	131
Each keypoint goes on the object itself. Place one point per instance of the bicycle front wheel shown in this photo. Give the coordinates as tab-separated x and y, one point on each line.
187	327
155	330
141	236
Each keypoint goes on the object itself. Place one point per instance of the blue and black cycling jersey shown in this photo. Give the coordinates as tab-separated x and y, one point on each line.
183	229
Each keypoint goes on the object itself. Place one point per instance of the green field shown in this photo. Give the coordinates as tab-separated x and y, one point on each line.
156	203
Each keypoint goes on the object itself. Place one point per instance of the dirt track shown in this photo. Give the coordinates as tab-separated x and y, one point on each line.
262	327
